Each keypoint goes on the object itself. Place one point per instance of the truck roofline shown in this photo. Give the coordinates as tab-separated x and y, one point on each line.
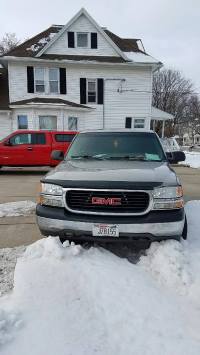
140	130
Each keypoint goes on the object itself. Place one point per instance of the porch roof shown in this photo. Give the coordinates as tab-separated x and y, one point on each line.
159	115
41	101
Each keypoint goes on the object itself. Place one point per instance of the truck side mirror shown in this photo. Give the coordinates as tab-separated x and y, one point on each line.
175	157
57	155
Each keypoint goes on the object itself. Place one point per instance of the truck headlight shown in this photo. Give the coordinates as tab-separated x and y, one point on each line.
168	198
51	195
51	189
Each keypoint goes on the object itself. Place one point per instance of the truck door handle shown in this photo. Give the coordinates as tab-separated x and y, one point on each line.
29	148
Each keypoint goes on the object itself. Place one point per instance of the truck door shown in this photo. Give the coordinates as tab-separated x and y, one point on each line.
26	149
15	151
41	148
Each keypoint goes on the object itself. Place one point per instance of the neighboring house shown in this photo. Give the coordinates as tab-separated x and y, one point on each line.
189	139
74	77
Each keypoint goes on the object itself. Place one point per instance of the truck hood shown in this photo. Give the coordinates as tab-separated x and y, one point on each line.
112	174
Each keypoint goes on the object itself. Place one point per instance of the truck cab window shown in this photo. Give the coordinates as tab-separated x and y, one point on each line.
64	137
23	138
38	138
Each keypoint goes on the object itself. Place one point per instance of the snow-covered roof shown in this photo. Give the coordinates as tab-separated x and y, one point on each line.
140	57
129	50
159	115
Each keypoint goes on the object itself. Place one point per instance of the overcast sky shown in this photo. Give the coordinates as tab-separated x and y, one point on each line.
169	29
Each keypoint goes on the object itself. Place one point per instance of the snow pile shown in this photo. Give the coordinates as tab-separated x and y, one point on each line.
68	300
177	265
8	258
9	323
19	208
192	159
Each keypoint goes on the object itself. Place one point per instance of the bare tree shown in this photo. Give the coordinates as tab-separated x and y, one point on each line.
9	41
192	111
171	92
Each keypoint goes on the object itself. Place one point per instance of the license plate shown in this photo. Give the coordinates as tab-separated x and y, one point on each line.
105	230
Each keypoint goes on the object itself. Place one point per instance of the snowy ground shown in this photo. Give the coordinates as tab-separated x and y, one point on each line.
20	208
192	159
67	300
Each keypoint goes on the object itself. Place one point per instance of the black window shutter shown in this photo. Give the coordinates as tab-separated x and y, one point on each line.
30	79
100	91
63	86
70	39
93	40
128	123
83	91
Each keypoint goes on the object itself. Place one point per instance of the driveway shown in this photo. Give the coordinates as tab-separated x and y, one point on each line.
18	185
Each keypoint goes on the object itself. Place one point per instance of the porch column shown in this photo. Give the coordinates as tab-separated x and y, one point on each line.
163	128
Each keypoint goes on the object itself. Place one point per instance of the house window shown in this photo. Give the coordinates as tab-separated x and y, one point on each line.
48	123
82	39
128	122
139	123
54	80
91	90
39	80
72	123
22	122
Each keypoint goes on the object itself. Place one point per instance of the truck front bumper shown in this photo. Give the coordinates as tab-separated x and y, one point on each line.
155	226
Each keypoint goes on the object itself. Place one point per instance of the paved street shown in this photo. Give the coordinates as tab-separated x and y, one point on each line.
18	185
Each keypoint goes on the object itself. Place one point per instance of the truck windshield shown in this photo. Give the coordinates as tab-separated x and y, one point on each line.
120	145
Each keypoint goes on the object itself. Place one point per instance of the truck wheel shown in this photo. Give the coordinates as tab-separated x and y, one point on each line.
184	233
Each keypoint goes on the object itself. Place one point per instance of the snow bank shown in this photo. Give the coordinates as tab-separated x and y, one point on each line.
20	208
177	265
192	159
8	258
68	300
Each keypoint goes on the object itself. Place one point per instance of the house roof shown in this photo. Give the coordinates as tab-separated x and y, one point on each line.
4	95
102	59
34	45
159	115
45	100
125	44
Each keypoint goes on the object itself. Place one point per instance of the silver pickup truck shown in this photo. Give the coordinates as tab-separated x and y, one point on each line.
113	186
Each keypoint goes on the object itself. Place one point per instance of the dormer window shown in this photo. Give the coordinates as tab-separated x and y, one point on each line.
82	39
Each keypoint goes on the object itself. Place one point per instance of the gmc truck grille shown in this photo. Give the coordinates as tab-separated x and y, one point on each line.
107	202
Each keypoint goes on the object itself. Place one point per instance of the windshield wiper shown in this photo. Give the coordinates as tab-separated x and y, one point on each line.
81	157
134	157
100	156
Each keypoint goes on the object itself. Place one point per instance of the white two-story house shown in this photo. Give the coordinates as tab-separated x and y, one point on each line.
76	77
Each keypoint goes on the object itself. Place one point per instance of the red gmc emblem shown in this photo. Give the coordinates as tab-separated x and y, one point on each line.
111	201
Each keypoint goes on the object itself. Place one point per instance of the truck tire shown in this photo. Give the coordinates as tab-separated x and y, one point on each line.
184	233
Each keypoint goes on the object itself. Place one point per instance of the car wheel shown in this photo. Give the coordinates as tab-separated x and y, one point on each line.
184	233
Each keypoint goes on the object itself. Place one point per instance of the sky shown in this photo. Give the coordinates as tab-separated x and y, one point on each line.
169	29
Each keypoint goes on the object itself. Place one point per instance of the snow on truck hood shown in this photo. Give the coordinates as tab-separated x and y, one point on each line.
106	170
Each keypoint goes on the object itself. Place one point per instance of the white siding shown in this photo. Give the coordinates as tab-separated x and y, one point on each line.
34	113
134	101
5	124
82	24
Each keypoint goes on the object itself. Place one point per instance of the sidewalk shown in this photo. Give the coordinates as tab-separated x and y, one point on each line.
16	231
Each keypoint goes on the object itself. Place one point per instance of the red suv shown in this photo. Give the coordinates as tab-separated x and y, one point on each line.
33	148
